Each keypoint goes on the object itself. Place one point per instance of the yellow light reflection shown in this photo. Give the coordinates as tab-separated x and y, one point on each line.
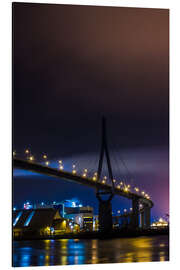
47	259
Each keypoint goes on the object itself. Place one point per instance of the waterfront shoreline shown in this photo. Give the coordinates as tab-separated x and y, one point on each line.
123	233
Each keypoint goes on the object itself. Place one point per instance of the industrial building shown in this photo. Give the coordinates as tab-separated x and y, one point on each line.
39	222
83	216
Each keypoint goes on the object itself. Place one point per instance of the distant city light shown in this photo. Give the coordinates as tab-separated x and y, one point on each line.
52	229
73	204
160	223
27	206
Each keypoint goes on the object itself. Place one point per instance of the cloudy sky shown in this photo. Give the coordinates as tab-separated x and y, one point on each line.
73	64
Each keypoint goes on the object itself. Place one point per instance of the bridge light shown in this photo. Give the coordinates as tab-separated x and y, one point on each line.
45	156
31	158
14	153
84	175
147	196
121	183
73	166
130	209
125	210
85	170
114	180
61	167
47	163
128	186
126	189
119	211
74	171
105	177
136	189
60	161
103	181
95	173
27	151
94	178
142	192
118	186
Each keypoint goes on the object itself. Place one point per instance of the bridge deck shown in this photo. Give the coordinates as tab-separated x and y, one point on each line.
38	168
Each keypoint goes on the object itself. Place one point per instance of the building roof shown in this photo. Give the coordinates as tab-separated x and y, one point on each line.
35	218
78	210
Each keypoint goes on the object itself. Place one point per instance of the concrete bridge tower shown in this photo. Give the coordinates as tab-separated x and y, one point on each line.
105	207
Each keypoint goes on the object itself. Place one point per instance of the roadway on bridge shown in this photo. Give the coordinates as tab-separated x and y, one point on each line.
39	168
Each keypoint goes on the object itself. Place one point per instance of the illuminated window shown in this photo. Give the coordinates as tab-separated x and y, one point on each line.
29	218
17	218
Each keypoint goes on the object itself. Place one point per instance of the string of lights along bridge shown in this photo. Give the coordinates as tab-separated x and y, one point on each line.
84	173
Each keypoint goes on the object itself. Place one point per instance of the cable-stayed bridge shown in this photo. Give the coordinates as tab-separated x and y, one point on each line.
106	187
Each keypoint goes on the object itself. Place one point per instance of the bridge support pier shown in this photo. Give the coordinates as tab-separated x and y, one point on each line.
105	215
147	212
135	213
142	219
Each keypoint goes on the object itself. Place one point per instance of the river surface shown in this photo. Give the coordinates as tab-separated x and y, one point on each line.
93	251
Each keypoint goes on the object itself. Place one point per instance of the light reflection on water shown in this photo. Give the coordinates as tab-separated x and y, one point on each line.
74	251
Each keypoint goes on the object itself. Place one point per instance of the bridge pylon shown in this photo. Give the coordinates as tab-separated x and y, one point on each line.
105	207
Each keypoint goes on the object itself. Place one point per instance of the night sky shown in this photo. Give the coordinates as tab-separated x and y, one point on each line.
73	64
